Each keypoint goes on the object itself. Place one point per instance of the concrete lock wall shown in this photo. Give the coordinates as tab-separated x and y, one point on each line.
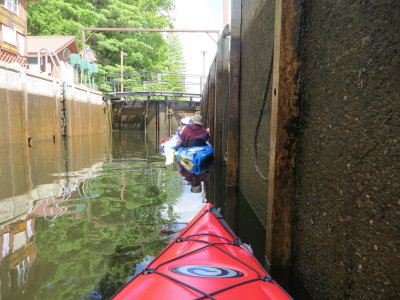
327	181
87	112
255	102
347	209
254	116
31	108
153	115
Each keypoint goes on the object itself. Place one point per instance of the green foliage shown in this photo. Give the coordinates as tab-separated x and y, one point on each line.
59	17
175	61
145	51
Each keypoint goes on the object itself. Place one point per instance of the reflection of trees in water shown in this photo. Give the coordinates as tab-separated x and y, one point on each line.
113	236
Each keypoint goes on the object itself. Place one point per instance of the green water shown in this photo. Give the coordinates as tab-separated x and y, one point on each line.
77	218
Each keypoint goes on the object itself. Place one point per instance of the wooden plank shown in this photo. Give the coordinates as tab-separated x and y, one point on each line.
211	119
284	118
231	211
204	104
220	89
234	94
217	101
225	97
211	101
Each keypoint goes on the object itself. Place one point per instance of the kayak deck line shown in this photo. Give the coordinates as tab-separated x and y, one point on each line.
198	246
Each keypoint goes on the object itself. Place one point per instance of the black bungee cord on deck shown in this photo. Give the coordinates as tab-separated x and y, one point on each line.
196	238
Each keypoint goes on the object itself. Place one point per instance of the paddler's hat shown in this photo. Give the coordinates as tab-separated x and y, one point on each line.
186	121
197	120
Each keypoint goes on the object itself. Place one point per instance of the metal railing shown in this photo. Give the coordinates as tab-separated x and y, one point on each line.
49	54
156	83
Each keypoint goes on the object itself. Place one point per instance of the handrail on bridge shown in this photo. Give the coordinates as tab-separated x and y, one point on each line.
150	81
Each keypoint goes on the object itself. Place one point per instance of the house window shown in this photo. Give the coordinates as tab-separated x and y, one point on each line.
21	44
9	35
11	5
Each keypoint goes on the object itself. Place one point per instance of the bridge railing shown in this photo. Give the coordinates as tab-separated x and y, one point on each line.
156	82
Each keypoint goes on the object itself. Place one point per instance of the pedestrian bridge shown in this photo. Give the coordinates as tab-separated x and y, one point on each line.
154	84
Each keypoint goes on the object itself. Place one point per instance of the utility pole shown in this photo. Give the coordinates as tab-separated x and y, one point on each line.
122	69
225	14
203	77
204	62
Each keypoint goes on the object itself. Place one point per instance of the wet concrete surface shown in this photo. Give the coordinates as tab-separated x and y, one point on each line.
255	102
347	209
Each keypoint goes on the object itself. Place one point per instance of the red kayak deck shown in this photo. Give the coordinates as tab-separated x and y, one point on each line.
205	261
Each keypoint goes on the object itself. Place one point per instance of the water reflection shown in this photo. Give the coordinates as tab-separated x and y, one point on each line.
77	218
196	181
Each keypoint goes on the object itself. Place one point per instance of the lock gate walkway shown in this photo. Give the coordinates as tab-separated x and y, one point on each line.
148	84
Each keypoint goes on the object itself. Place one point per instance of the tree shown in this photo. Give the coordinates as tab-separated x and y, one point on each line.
146	51
175	62
59	17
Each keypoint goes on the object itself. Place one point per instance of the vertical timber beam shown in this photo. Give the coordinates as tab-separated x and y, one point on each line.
220	89
234	94
218	101
233	116
204	104
211	100
284	118
225	99
211	111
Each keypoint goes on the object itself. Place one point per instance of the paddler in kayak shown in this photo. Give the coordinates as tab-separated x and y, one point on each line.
194	134
171	144
184	122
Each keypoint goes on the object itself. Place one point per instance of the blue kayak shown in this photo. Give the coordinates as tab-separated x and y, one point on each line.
194	159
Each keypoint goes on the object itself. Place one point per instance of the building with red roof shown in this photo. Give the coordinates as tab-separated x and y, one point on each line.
52	52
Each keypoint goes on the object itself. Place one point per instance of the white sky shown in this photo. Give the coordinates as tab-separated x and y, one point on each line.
198	14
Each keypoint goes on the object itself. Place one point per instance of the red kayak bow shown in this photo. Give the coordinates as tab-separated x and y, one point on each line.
205	261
